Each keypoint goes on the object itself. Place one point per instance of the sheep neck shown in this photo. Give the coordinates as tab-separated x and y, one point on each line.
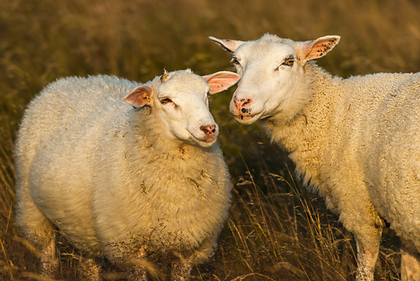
302	135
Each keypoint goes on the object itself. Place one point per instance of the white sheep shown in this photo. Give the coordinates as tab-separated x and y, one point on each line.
128	178
356	141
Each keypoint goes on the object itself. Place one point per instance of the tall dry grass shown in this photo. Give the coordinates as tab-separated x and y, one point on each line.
276	230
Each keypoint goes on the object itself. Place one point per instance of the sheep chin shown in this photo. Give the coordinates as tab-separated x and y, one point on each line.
248	119
204	142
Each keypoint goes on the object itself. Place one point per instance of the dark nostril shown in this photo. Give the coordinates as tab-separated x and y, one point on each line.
244	110
242	103
211	129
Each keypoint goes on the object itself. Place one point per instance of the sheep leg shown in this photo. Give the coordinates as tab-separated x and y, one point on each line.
90	269
37	228
367	254
410	265
49	262
40	231
137	270
181	269
130	260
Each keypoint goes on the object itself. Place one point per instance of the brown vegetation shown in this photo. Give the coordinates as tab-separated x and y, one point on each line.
277	230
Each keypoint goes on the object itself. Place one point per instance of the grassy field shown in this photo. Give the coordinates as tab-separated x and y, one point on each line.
276	230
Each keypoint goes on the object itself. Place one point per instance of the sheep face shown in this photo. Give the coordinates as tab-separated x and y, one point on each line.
180	100
268	73
271	69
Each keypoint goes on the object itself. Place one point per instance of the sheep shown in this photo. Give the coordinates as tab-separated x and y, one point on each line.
124	170
355	141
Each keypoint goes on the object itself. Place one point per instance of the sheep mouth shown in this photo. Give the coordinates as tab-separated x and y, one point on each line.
208	139
204	141
247	119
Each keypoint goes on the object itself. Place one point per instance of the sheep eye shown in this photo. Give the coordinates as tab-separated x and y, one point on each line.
235	61
165	101
288	62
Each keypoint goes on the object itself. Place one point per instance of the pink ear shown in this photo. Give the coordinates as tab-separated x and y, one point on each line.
226	44
221	81
139	97
318	48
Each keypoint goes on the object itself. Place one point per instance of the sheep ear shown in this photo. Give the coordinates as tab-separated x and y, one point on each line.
226	44
139	97
318	48
221	81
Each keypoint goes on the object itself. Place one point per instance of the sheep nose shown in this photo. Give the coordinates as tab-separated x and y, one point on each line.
242	104
209	129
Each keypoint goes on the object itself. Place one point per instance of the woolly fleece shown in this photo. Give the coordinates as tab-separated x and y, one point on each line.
356	141
108	175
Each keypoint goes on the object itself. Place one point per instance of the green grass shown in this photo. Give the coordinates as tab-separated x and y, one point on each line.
276	230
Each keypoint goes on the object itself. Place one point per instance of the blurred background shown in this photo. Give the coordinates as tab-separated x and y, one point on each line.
277	230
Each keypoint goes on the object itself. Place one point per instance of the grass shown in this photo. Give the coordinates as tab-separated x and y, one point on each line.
276	230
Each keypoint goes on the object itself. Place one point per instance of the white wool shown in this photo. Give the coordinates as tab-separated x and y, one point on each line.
109	175
356	141
342	144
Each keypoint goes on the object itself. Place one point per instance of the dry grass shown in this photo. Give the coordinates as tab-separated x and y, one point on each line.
276	231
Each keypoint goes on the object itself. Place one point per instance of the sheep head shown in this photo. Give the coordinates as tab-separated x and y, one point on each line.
180	100
271	71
